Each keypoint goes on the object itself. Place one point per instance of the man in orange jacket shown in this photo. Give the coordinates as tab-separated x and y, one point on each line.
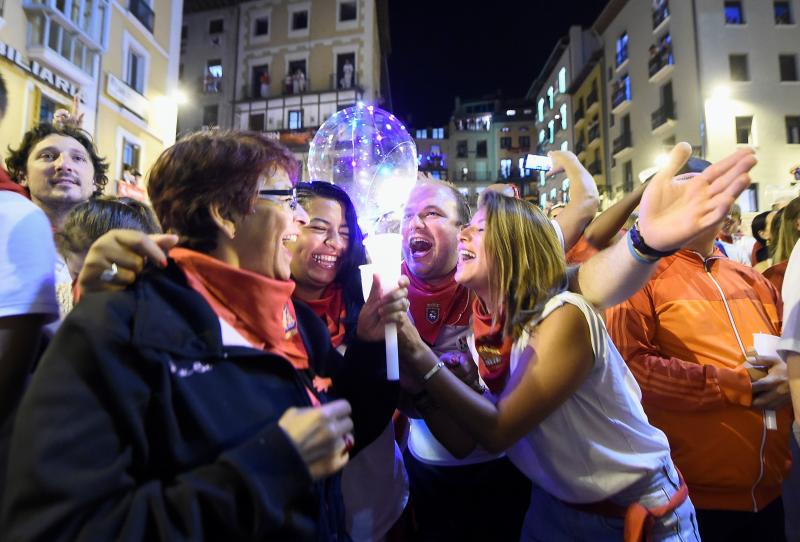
686	337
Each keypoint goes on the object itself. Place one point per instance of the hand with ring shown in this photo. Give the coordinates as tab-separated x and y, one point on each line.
109	274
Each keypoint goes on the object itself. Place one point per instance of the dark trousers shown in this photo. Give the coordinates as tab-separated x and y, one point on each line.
734	526
485	501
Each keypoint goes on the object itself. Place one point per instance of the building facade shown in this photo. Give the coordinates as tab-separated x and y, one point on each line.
554	114
118	58
283	67
433	151
717	75
589	125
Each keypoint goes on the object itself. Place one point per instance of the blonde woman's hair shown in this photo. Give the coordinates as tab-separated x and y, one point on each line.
527	261
787	233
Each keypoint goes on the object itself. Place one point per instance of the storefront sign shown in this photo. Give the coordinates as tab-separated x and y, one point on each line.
125	95
39	71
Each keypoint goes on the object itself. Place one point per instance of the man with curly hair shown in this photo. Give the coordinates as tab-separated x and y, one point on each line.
58	165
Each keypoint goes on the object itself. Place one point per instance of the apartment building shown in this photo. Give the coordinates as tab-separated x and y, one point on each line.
282	66
118	56
716	74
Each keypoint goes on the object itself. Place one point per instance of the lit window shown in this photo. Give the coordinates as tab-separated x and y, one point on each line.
296	119
541	109
550	95
622	49
438	133
783	13
505	168
562	80
563	112
551	131
565	145
511	112
553	194
543	179
134	76
542	135
542	200
734	13
422	134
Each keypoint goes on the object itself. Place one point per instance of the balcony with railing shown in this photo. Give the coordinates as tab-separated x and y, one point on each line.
660	15
663	118
211	85
143	12
621	96
594	133
579	116
623	146
661	62
580	146
592	101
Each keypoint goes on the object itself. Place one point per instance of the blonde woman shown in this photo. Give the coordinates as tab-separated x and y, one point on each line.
562	401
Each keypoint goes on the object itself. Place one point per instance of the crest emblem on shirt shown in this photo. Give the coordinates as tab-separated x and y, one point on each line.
491	356
462	343
289	323
432	312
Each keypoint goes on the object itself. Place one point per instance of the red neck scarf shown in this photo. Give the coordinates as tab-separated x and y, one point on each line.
7	185
435	307
494	350
330	308
258	307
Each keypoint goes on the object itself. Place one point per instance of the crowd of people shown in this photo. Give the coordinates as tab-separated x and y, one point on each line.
208	366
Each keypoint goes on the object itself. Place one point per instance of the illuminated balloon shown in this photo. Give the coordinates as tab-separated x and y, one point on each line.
370	154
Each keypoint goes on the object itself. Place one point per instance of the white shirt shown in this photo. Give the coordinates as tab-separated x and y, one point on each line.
598	442
790	339
27	259
421	442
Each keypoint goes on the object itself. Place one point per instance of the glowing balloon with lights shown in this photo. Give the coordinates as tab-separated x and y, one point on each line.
370	154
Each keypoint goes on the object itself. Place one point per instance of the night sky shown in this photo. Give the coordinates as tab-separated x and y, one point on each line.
447	48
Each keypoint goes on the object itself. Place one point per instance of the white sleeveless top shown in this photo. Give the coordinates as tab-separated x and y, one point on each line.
599	441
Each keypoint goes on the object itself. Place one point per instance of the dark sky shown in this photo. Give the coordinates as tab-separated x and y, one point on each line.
447	48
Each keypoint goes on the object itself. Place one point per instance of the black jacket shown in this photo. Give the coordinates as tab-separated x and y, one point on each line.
140	425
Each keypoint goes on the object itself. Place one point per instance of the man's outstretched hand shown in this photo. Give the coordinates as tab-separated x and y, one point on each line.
672	213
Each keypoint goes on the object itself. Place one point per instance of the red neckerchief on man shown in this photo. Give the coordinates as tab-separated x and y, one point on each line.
7	185
494	350
435	307
330	308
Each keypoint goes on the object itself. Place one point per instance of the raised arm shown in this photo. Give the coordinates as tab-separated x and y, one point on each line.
670	215
584	199
600	233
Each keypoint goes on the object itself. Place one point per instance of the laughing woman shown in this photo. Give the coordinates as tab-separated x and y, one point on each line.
562	401
325	263
189	406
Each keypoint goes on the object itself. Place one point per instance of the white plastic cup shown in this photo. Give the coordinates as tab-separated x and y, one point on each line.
766	345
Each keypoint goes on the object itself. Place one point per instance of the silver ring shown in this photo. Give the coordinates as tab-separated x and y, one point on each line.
109	274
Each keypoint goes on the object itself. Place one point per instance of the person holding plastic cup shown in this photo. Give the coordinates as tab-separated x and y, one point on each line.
201	402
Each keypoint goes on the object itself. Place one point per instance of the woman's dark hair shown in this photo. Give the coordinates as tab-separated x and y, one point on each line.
18	158
756	226
212	167
348	276
89	220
